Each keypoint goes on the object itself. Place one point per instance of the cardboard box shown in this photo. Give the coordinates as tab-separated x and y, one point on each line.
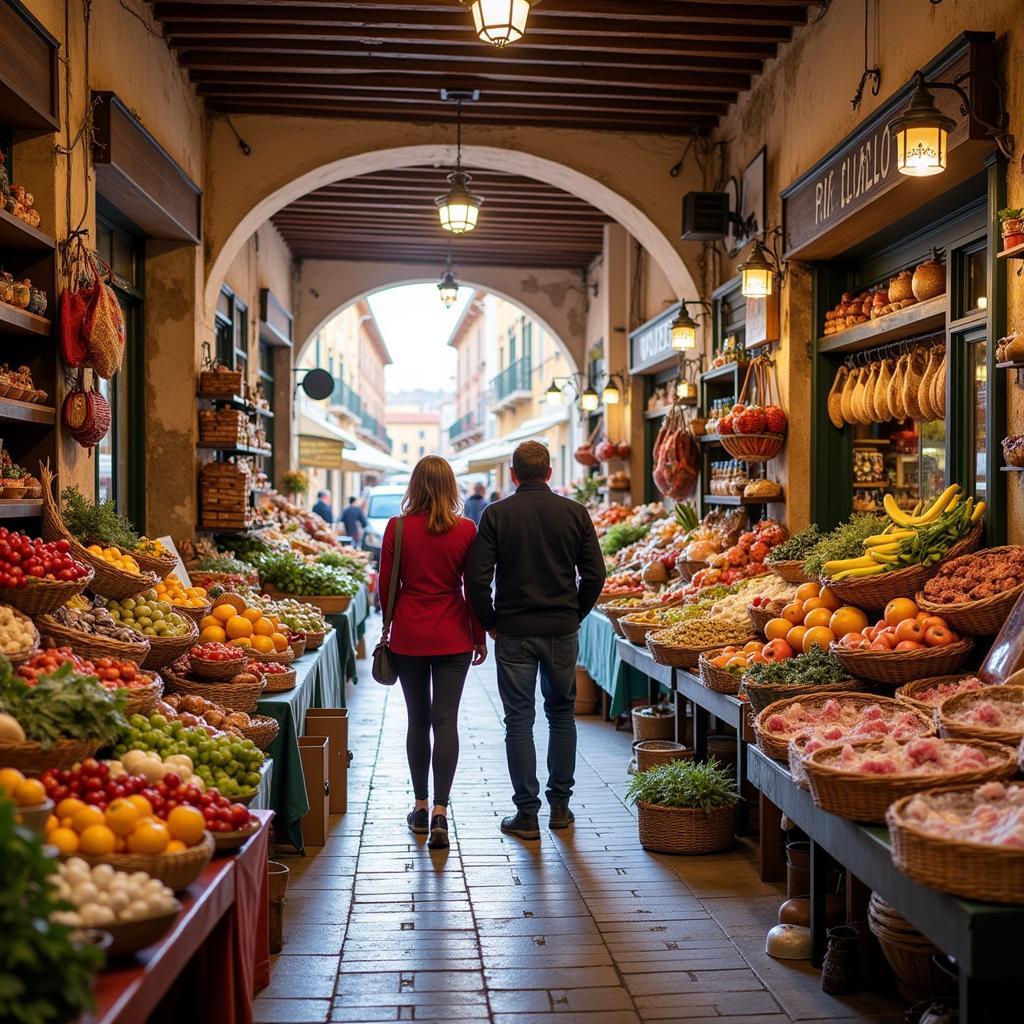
333	723
314	752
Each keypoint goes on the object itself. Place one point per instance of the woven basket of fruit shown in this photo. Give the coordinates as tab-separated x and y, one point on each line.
282	657
226	842
238	694
92	645
896	667
791	570
33	759
637	632
761	695
176	870
161	565
717	678
297	642
859	780
314	640
994	713
38	596
142	698
752	447
760	617
262	730
927	694
216	661
278	678
195	614
164	649
19	639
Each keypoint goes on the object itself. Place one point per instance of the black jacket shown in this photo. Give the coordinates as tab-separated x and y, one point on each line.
533	543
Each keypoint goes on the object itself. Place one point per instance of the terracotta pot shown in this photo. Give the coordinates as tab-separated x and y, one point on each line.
1009	241
1011	226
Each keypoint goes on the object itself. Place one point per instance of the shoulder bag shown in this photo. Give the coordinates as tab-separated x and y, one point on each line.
384	670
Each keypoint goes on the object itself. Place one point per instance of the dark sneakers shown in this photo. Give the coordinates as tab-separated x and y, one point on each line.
438	833
522	826
419	821
561	817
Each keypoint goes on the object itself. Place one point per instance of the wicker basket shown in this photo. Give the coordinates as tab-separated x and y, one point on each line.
652	753
233	696
42	597
195	614
160	565
979	618
227	842
285	657
950	728
685	829
653	727
91	645
329	604
907	692
896	667
262	730
790	570
776	745
680	657
857	796
637	632
759	618
910	955
795	759
164	649
221	383
978	871
299	647
761	695
314	640
176	870
721	680
32	759
216	671
875	592
26	652
752	447
142	699
279	682
131	936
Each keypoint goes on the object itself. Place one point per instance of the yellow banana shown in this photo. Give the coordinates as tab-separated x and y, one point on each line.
842	564
979	511
953	504
937	507
868	570
895	513
887	538
884	557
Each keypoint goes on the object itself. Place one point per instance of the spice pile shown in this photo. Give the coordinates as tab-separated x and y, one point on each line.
973	577
925	755
992	813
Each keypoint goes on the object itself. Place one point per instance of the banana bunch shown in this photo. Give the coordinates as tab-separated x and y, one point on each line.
917	538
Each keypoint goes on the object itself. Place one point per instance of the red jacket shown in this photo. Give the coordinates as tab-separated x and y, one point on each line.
432	615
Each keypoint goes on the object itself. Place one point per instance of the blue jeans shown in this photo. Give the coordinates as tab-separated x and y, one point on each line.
519	658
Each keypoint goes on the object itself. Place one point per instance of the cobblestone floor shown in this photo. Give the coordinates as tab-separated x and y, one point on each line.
581	926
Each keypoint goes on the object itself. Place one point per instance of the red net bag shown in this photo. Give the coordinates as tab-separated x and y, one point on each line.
77	295
104	326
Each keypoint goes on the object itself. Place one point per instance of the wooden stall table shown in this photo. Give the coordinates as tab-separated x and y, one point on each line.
659	677
981	937
207	968
599	655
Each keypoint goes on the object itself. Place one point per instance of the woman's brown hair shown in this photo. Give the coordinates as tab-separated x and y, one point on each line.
433	492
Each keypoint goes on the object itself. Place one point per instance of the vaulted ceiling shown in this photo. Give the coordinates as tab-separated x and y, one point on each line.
665	66
390	215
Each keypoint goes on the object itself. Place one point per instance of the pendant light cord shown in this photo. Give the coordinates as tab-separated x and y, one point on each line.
458	135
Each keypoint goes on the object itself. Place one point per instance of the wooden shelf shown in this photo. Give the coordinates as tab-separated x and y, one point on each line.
867	483
1015	252
916	319
237	402
655	414
20	508
236	449
718	372
21	322
16	234
722	499
26	412
710	438
1010	365
1012	469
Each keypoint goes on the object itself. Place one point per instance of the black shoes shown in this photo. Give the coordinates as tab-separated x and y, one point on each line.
438	832
419	821
561	817
522	826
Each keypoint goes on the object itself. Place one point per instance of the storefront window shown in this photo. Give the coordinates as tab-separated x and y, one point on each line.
979	378
976	280
266	387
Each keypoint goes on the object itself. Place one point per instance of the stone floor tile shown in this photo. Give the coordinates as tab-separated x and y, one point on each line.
364	1014
563	1017
290	1011
549	977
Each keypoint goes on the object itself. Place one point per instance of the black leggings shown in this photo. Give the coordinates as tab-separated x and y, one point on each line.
439	711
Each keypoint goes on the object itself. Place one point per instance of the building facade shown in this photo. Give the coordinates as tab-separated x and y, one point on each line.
414	432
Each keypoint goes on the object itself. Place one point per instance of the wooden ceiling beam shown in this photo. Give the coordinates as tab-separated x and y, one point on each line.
510	226
510	214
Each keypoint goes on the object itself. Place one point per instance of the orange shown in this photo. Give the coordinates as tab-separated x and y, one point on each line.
811	603
87	817
280	641
150	837
238	626
829	599
817	636
141	804
817	617
187	824
262	627
263	644
795	637
29	793
175	846
794	612
223	612
210	620
121	816
65	839
848	620
806	591
97	840
242	641
212	634
68	808
252	614
898	609
776	629
10	780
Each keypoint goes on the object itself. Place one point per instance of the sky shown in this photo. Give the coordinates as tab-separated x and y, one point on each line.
416	328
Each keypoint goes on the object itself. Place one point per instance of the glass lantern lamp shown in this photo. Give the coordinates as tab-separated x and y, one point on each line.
553	395
758	274
458	208
589	400
500	22
683	330
921	135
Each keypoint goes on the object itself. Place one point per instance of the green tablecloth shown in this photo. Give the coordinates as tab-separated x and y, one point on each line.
598	655
318	684
349	629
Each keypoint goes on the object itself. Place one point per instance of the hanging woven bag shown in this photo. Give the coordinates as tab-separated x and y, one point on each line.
76	297
105	325
85	414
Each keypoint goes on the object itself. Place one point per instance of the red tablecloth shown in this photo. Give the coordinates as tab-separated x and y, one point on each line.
212	961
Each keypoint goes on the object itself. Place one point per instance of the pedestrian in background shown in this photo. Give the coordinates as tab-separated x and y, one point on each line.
354	521
476	503
542	552
323	508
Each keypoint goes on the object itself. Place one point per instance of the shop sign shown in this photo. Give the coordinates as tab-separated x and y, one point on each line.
320	452
650	345
862	168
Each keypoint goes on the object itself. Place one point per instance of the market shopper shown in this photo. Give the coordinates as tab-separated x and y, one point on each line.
543	554
323	508
434	633
354	520
476	503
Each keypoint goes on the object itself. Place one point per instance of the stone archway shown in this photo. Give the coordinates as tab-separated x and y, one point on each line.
626	177
555	298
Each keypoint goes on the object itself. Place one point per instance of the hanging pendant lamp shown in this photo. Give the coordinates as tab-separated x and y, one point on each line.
448	286
458	208
500	22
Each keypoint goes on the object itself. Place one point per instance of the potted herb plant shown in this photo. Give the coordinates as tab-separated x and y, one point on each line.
1011	222
296	483
684	807
654	722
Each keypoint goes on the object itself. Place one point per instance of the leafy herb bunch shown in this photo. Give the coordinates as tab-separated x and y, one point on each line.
797	547
845	541
815	668
97	524
684	784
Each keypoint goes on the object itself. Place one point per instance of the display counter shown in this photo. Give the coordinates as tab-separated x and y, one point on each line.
599	655
349	630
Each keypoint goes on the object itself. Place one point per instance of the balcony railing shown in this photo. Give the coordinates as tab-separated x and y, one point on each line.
344	396
372	426
461	426
513	379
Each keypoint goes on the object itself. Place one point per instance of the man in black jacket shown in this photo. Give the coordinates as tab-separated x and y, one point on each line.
542	551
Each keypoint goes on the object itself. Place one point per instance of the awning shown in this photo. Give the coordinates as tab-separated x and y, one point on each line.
322	445
497	450
365	458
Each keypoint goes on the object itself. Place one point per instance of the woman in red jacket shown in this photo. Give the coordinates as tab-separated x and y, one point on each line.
434	634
